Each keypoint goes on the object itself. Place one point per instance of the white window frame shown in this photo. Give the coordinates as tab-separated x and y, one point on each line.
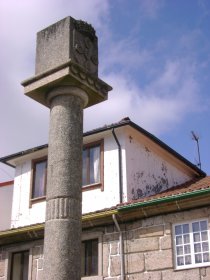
193	264
89	236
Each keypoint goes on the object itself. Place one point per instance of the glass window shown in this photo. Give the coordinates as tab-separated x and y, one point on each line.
91	166
19	266
90	257
192	244
39	178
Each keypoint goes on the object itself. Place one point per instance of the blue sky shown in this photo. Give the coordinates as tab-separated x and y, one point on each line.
154	53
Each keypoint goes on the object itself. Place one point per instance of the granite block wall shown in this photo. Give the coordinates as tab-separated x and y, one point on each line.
148	247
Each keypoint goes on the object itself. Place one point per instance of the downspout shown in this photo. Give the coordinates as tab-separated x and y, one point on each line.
122	263
120	166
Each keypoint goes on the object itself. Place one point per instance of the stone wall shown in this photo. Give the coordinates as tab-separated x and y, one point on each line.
35	260
147	245
3	260
148	248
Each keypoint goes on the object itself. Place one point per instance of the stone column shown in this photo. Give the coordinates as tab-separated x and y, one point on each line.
63	220
66	81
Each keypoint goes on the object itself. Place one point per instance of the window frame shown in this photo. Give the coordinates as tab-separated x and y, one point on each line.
100	185
33	164
20	248
91	236
192	254
22	252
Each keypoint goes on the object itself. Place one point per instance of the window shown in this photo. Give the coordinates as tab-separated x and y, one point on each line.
92	168
191	242
90	257
19	265
39	178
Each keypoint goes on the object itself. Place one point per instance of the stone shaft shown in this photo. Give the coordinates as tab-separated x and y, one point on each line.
63	212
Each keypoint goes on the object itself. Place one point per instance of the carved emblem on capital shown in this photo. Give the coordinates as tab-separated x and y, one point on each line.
85	47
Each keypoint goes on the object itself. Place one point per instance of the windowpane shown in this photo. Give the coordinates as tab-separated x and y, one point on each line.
206	257
84	167
186	228
197	247
198	258
179	240
39	180
19	269
91	169
191	244
204	235
178	230
186	238
188	259
196	226
180	261
187	249
205	246
179	250
203	225
196	237
16	266
94	165
89	261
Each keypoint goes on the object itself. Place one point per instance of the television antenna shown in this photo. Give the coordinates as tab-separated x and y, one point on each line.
195	137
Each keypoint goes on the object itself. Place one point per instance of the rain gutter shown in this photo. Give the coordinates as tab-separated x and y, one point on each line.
120	165
164	199
11	232
122	262
99	215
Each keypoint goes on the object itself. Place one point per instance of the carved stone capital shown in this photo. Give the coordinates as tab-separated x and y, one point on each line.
67	90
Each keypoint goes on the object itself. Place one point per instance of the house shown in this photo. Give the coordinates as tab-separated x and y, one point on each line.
146	212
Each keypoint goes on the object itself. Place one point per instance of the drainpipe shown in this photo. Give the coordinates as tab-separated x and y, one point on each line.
122	263
120	165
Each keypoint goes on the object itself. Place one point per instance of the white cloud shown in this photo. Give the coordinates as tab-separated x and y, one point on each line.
158	107
150	8
125	53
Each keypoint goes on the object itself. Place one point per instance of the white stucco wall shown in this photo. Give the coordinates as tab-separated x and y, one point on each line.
22	213
93	200
6	193
96	199
147	172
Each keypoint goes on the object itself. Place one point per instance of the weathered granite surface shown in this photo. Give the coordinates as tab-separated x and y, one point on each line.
67	39
63	214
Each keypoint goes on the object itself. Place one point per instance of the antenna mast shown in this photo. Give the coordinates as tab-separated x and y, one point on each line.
196	138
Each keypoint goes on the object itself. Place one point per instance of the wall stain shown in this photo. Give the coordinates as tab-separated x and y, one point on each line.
143	189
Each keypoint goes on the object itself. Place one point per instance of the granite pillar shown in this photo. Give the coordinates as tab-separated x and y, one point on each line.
63	220
66	81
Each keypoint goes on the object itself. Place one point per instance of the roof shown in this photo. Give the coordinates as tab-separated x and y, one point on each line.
123	122
191	187
7	183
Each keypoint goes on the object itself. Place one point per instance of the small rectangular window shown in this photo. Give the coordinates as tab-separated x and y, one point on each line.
39	179
19	265
191	242
90	257
92	173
